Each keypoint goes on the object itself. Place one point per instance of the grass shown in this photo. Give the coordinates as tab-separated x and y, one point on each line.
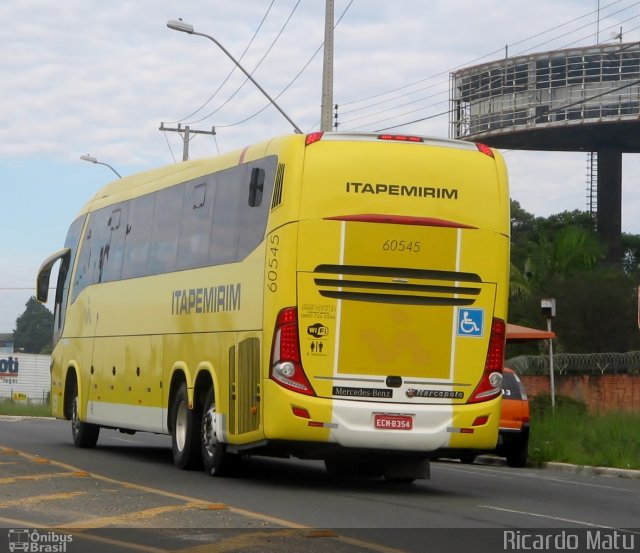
568	435
573	435
20	408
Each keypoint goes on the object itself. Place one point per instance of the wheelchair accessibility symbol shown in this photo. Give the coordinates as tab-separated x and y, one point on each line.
470	322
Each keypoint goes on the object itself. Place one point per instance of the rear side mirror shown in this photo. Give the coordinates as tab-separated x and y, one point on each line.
256	186
44	274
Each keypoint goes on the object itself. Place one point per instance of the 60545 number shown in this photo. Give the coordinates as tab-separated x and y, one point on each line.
413	246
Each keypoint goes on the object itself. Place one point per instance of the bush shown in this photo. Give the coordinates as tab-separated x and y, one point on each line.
541	406
571	434
18	408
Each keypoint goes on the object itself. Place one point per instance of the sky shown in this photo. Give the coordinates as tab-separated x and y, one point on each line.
98	77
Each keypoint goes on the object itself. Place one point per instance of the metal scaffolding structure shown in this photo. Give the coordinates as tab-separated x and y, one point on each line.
578	99
550	90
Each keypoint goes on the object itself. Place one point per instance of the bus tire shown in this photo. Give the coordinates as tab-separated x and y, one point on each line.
185	423
84	434
517	456
468	458
215	458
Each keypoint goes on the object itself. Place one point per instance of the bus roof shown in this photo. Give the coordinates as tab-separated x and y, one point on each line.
185	170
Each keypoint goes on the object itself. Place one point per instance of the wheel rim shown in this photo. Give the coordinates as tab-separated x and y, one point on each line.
209	438
181	426
75	420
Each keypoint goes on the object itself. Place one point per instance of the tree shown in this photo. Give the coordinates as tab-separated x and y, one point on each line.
597	311
34	328
562	257
568	250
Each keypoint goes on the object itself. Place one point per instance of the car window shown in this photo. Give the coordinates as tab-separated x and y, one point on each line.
512	388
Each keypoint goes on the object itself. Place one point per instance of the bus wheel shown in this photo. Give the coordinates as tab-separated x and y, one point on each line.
84	434
517	456
184	431
215	458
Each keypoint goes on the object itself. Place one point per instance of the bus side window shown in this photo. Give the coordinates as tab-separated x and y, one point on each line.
195	224
137	236
166	230
114	246
89	262
223	246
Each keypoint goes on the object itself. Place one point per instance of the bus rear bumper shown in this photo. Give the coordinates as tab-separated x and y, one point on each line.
433	426
380	425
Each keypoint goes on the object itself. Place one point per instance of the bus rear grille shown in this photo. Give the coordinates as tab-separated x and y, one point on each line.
277	187
397	285
244	386
232	391
249	390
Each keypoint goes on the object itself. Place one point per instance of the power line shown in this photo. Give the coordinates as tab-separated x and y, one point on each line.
379	112
404	87
254	69
294	79
554	110
476	59
579	29
170	148
264	17
15	288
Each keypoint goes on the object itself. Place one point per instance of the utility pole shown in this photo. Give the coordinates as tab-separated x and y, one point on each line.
186	132
327	70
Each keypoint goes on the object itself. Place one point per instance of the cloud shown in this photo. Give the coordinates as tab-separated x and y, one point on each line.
98	77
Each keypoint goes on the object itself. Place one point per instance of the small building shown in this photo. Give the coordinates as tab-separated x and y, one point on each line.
6	343
25	376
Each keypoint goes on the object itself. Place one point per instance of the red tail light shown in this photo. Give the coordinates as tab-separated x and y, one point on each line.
490	385
286	365
400	137
313	137
484	149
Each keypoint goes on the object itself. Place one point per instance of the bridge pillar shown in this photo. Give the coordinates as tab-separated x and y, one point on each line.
609	217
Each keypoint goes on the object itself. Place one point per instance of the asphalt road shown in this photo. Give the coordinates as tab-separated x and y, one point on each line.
125	495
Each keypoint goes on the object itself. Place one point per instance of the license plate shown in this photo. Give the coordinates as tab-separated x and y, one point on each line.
393	422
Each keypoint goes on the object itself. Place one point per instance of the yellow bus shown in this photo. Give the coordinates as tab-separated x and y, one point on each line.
332	296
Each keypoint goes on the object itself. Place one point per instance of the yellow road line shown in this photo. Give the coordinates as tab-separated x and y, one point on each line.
262	540
259	540
38	499
129	519
45	476
191	500
155	491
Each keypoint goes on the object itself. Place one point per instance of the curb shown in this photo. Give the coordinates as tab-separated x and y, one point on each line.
593	471
568	468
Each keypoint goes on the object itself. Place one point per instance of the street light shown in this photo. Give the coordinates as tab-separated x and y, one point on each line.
183	27
93	159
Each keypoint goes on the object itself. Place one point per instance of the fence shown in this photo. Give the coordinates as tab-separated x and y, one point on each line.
578	363
604	381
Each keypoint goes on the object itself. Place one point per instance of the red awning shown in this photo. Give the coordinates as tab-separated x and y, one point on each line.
517	332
